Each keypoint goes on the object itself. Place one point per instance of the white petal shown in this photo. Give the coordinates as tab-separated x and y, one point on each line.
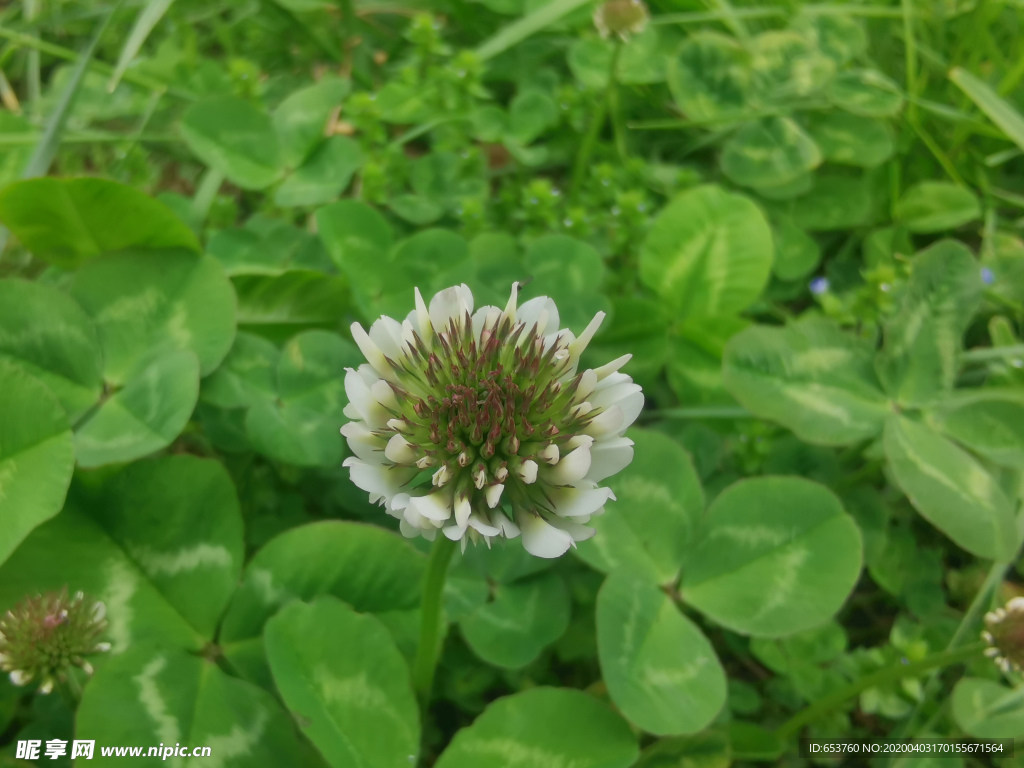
441	477
454	532
493	494
386	333
528	471
422	317
614	394
433	506
477	523
399	451
46	687
608	457
609	368
363	443
463	509
20	678
378	479
631	408
382	392
607	423
577	347
587	383
540	538
549	454
411	531
485	317
361	398
574	502
574	529
580	410
510	307
508	529
371	352
577	441
531	311
451	303
572	467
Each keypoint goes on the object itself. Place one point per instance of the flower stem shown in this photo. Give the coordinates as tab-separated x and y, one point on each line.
991	353
982	600
889	674
430	617
702	412
596	121
71	690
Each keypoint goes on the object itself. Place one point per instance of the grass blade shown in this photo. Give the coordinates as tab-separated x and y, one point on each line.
39	163
999	111
30	9
530	24
147	19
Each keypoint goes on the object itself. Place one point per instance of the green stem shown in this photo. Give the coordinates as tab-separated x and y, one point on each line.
590	139
882	677
430	617
968	623
992	353
60	52
31	10
88	137
71	690
618	122
204	197
702	412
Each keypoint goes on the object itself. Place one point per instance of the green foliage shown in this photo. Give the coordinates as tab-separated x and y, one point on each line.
803	225
359	709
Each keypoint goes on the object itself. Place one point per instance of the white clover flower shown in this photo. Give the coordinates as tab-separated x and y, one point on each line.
477	424
1004	633
623	18
42	637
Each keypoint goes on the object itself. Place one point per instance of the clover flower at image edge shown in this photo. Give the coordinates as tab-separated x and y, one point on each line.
43	637
1004	635
478	424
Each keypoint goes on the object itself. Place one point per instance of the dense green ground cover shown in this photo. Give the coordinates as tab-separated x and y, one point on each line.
804	222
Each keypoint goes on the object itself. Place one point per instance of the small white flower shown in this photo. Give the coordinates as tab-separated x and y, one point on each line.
478	424
622	18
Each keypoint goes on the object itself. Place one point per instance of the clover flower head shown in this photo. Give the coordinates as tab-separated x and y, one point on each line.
623	18
477	423
1004	633
42	637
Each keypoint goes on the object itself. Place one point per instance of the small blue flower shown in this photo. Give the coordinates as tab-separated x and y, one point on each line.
987	276
819	285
